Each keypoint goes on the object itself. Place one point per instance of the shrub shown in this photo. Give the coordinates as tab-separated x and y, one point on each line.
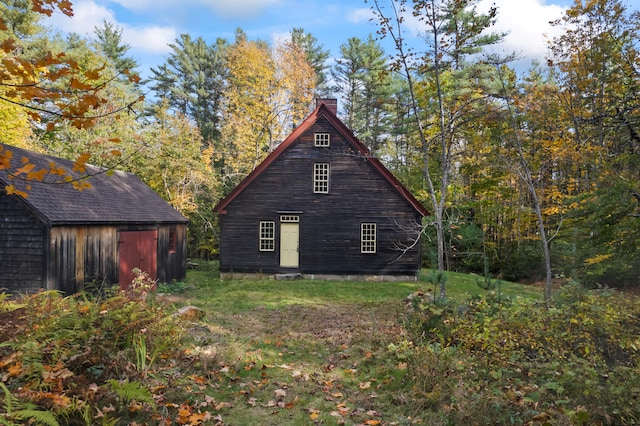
71	352
577	361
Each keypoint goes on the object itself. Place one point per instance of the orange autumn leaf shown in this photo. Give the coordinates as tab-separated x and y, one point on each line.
47	7
80	164
198	418
78	85
12	190
26	169
15	370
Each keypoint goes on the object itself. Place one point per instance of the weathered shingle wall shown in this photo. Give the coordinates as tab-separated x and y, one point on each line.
22	241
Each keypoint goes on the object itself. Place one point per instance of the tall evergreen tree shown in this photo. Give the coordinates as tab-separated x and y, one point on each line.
316	57
109	39
363	80
192	80
21	22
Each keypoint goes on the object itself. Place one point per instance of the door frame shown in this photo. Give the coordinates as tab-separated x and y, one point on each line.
289	223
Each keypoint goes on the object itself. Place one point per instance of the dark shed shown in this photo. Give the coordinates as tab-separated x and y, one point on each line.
59	238
320	205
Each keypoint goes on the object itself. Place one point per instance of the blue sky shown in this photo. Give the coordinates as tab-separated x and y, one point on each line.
150	25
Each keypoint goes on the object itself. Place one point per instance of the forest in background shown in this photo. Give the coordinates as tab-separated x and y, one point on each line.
528	175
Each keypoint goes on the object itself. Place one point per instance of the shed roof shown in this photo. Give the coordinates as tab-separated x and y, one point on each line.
120	197
322	110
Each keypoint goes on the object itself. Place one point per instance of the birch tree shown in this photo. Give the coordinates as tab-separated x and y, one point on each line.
454	32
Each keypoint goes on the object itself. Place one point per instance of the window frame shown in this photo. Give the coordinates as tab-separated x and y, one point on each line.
322	139
368	237
267	236
172	244
321	178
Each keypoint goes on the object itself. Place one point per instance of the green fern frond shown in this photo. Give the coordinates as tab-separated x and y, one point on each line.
131	391
40	417
9	400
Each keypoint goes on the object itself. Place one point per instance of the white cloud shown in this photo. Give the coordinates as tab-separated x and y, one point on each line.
361	15
87	15
150	39
527	24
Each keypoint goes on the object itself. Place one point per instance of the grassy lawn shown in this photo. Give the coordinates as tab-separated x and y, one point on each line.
233	296
311	352
303	352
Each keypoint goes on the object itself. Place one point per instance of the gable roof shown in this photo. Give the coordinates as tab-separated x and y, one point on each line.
322	111
120	197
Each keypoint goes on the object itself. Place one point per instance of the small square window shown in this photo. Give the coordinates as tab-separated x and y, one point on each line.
267	236
367	237
321	139
321	178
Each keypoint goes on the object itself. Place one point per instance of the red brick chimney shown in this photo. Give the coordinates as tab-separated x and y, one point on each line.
332	104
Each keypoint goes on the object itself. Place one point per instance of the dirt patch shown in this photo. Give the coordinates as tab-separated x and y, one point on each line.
335	325
12	323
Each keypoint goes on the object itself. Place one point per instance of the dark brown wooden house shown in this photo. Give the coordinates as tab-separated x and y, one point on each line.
60	238
321	205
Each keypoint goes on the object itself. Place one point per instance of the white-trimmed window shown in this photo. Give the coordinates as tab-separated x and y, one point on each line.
267	235
321	178
368	238
321	139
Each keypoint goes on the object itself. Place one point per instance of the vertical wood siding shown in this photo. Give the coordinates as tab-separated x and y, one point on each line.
329	223
172	265
22	247
82	254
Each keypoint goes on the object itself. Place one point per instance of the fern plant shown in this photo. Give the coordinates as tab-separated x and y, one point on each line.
17	413
130	391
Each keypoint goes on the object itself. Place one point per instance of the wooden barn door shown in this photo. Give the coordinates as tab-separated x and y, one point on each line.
138	249
289	241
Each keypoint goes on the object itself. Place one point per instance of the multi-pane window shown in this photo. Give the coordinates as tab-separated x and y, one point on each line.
367	237
321	139
289	219
321	178
267	236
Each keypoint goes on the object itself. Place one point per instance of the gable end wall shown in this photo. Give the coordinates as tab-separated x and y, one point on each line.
329	223
22	248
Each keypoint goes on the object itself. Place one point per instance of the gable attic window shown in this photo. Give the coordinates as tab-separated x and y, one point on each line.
321	139
368	238
321	178
267	235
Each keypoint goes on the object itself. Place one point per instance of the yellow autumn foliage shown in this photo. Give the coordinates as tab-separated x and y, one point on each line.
269	92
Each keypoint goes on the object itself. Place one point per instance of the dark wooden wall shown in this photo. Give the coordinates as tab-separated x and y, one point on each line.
22	247
82	254
172	265
329	223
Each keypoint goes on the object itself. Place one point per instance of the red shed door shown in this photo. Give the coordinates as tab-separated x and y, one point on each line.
138	249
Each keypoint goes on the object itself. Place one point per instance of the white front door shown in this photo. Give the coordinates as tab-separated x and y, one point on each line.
289	239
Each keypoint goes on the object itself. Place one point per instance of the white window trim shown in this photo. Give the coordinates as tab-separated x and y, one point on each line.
322	140
368	237
324	182
267	243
